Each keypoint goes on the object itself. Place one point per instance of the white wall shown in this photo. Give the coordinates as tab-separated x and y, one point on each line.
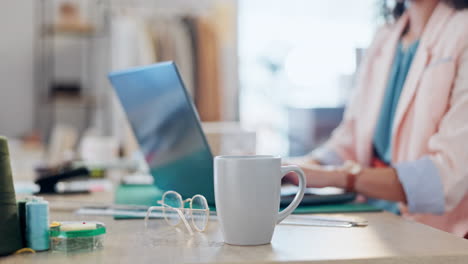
16	66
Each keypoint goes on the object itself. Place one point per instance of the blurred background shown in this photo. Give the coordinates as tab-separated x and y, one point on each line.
275	74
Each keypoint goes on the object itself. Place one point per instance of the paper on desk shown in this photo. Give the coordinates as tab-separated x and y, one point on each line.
289	189
116	212
304	220
137	212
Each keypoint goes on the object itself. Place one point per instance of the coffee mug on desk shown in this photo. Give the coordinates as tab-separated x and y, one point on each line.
247	192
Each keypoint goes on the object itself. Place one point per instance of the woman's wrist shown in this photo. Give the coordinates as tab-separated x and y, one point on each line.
338	178
345	177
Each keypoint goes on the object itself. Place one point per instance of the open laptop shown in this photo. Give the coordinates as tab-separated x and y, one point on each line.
168	130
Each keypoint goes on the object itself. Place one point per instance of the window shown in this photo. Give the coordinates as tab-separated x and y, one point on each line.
297	53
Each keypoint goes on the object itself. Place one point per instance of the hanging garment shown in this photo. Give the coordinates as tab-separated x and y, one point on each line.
208	96
174	43
131	43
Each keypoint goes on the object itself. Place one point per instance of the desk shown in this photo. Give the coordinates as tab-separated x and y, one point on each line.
387	239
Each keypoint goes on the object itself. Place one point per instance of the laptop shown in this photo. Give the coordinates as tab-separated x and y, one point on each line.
168	130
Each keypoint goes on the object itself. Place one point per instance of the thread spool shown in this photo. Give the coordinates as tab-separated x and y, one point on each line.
10	236
22	219
37	224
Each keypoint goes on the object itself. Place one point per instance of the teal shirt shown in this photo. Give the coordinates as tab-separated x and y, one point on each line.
411	174
383	133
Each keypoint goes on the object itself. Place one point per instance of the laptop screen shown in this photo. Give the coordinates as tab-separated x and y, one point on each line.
166	127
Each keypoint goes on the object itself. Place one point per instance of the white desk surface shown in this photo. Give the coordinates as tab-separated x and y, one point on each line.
387	239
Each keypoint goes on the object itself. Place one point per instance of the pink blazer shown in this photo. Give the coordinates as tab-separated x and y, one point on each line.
432	114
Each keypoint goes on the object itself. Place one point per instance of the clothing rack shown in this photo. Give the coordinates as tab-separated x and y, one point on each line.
162	7
102	14
212	104
154	10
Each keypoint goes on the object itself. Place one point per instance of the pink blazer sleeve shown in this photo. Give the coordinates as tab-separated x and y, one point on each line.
449	146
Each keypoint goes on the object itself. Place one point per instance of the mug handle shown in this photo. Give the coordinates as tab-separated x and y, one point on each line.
299	195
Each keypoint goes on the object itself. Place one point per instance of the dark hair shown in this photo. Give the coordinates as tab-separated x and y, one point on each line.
400	7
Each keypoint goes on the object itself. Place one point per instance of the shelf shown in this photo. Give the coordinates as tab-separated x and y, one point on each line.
74	31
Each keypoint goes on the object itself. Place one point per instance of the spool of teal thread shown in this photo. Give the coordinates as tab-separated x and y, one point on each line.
37	224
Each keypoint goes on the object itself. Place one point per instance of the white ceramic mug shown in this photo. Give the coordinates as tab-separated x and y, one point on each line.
247	192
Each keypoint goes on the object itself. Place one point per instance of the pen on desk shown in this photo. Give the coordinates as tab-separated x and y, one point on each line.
317	223
310	220
354	222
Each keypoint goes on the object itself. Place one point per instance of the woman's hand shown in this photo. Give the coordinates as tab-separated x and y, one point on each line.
380	183
319	176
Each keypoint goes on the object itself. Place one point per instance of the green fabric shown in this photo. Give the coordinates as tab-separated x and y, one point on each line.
148	195
336	208
10	235
138	195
